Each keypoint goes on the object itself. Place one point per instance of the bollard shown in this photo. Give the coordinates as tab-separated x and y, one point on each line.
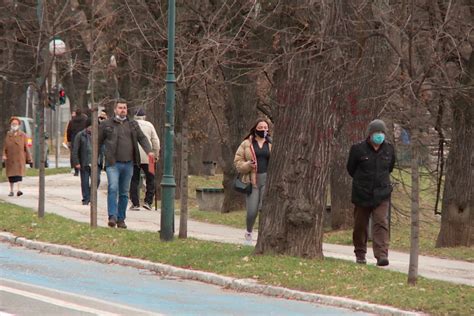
209	168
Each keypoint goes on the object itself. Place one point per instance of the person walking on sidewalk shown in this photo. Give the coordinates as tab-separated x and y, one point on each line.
121	137
369	164
102	117
251	161
75	125
82	159
15	155
149	130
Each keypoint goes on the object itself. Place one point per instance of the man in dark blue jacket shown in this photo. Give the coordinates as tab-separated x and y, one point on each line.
370	164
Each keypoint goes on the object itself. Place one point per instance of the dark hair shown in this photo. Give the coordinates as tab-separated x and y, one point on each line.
120	100
140	112
78	112
254	127
88	122
14	118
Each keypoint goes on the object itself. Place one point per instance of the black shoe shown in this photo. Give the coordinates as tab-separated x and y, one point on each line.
85	202
112	222
382	262
361	261
121	224
19	193
147	206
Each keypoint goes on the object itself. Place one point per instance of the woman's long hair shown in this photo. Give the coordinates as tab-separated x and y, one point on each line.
254	127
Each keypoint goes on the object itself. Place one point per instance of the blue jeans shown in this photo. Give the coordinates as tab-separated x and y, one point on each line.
85	183
118	176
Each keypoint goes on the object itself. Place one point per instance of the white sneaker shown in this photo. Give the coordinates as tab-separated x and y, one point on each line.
248	238
134	208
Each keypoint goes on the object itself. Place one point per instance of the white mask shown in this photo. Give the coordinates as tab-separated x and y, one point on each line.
14	127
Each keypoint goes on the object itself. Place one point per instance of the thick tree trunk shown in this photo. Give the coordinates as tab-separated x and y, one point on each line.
457	217
292	214
240	113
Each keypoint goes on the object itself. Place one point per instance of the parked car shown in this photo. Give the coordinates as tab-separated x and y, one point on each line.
27	126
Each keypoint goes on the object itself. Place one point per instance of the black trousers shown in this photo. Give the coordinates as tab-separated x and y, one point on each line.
380	236
150	185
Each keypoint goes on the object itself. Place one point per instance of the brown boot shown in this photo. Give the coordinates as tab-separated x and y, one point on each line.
121	224
381	262
112	222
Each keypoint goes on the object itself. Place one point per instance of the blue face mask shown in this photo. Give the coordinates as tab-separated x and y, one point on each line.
378	138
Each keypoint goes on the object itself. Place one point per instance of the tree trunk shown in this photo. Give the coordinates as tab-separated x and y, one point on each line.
360	101
77	79
457	217
240	113
415	205
292	214
183	217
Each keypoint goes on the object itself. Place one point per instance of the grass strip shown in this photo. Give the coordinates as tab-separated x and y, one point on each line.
329	276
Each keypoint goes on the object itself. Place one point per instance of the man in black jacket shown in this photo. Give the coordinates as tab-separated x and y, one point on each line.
370	164
121	137
75	125
82	158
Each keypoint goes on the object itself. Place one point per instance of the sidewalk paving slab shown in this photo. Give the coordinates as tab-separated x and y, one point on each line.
63	197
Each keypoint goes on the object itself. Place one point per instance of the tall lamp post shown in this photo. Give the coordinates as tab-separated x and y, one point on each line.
168	183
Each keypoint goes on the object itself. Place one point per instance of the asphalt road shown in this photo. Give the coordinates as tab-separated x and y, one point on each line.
33	283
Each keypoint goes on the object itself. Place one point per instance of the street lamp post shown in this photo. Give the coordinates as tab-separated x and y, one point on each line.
168	183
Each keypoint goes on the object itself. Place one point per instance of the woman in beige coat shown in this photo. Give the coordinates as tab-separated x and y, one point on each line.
251	161
15	154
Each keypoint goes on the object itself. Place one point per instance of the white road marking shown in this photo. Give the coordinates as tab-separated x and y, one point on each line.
56	302
63	303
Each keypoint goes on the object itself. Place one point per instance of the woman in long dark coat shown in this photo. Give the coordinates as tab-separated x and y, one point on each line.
15	155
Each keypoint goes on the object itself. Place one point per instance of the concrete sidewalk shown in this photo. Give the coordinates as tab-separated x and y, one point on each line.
63	197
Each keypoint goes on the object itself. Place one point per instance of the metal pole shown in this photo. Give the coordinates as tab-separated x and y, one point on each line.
36	155
168	183
58	134
56	112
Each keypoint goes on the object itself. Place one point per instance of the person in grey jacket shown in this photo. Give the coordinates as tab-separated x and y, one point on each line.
82	158
121	136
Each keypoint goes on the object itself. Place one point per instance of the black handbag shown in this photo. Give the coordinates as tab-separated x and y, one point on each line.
242	187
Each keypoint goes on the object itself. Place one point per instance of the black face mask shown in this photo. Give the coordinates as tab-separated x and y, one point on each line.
261	134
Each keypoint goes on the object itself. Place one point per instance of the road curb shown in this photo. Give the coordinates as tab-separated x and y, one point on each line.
242	285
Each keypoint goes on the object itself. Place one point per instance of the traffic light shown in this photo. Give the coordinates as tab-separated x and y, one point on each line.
62	96
52	98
